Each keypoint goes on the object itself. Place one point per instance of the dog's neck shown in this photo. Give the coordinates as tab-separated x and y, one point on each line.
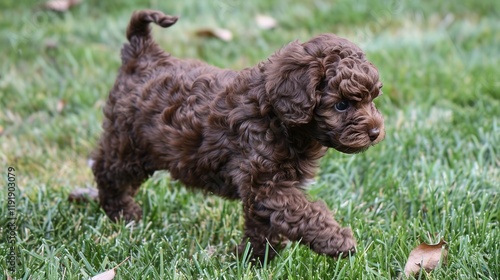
302	139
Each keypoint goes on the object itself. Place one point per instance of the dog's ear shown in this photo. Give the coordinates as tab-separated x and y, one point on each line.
291	78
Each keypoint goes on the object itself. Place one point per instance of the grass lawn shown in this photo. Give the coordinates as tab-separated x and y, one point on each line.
436	175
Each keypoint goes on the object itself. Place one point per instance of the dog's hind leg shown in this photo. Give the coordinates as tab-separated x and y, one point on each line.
117	181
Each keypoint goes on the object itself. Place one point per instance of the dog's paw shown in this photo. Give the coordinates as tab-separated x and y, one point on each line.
348	246
132	213
341	244
129	211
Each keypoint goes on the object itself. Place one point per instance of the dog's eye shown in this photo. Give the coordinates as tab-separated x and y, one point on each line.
342	106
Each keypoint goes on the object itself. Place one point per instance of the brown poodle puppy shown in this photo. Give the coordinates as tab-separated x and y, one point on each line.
255	135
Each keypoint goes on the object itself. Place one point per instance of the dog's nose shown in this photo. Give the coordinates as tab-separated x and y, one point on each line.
373	133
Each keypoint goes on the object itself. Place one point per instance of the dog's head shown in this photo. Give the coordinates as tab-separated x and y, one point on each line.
326	86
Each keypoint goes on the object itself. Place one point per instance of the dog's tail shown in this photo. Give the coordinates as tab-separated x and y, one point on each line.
140	20
139	32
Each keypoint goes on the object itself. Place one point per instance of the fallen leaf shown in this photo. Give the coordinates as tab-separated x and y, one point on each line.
60	105
83	195
266	22
110	274
219	33
50	44
60	5
426	257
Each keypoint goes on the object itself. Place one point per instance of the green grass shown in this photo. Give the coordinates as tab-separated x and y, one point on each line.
436	175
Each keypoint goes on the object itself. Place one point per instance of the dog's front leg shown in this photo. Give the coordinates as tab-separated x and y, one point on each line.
264	240
274	211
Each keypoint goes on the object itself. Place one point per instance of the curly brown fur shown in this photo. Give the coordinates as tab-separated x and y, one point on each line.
255	135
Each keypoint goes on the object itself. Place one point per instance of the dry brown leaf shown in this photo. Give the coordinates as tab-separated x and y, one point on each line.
83	195
110	274
266	22
60	5
426	257
219	33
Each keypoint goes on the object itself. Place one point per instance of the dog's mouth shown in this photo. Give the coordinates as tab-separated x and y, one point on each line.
335	144
352	144
349	149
